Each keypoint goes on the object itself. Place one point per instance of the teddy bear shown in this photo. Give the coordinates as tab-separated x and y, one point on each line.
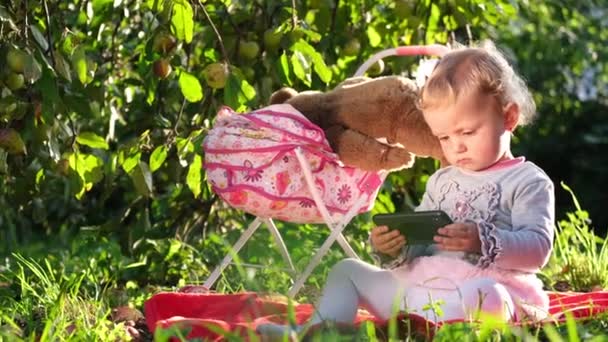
370	123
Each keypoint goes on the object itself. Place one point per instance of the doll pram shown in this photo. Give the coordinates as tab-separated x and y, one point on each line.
275	164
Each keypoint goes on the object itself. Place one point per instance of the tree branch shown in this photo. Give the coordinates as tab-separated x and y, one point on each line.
179	116
217	34
25	23
294	16
48	33
113	48
54	64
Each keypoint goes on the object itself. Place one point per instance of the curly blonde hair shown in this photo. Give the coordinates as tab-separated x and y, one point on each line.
481	70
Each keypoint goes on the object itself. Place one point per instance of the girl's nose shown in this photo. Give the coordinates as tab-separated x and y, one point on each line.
459	146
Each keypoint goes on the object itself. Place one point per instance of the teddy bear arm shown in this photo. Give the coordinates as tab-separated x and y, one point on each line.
413	133
361	151
282	95
423	144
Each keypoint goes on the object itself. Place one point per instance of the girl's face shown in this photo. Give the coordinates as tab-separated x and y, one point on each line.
474	132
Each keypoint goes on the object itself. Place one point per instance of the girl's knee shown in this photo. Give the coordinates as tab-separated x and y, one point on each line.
490	297
346	267
350	264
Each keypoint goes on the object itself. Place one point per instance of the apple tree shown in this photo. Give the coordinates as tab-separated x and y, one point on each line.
104	103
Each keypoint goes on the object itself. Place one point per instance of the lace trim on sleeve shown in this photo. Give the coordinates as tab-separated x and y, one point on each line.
490	244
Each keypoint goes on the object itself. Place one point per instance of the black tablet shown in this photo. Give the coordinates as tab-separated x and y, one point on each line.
417	227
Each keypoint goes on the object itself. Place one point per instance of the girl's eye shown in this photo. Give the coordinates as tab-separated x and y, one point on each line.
467	133
443	138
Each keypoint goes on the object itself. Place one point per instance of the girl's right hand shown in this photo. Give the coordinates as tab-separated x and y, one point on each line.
387	241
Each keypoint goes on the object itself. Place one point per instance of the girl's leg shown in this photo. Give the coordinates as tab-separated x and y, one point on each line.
482	294
351	282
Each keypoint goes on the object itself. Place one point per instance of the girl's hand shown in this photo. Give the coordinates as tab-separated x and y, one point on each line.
387	241
461	237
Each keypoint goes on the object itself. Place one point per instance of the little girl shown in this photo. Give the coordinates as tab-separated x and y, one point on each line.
502	208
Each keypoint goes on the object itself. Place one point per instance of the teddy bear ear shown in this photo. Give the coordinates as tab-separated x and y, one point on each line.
282	95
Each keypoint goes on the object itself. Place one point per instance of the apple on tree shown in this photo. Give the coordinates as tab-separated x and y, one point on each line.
164	43
272	39
162	68
11	142
14	81
16	60
248	49
376	68
404	8
248	72
352	47
216	74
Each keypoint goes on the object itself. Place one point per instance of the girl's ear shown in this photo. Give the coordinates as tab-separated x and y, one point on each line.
511	116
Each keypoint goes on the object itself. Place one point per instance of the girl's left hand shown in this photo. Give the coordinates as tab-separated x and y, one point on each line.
461	237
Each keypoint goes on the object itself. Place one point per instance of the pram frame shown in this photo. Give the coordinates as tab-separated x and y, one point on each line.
336	227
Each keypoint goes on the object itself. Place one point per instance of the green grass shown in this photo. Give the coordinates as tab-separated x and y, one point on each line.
42	305
580	258
69	296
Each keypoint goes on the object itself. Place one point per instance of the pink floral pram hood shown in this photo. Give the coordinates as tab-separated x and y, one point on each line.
251	164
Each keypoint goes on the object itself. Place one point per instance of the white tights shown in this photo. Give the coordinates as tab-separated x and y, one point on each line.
352	283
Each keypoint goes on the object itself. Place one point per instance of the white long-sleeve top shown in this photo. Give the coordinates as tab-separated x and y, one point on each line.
512	204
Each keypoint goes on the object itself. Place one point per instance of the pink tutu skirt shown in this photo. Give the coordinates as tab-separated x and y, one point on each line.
440	277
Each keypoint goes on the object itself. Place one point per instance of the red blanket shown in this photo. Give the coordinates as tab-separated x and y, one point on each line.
211	315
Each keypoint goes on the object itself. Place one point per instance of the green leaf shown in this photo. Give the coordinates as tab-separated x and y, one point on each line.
79	62
193	179
183	145
247	90
238	92
301	67
3	161
184	148
182	25
196	137
62	67
284	69
317	59
89	168
158	157
312	35
142	178
32	70
39	178
92	140
98	5
175	246
373	36
155	5
131	162
190	87
39	37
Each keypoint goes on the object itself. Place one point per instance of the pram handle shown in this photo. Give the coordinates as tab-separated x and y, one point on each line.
414	50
